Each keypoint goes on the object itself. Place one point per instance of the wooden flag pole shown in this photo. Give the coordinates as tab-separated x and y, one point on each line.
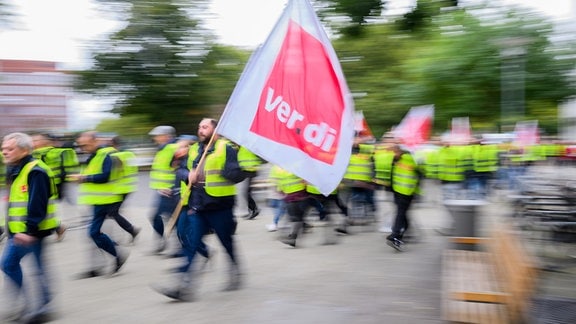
174	218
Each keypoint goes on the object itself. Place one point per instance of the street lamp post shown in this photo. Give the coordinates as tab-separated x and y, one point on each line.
512	78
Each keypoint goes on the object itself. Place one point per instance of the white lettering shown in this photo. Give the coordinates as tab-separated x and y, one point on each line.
320	135
269	104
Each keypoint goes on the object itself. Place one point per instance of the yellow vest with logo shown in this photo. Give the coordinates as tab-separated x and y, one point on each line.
18	202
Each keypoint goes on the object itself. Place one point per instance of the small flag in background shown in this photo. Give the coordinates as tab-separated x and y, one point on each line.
292	106
415	127
361	127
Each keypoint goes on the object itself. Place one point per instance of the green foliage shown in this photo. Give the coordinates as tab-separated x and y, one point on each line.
456	64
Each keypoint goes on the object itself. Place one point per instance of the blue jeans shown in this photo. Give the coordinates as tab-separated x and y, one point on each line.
102	240
196	225
183	230
279	209
13	254
165	206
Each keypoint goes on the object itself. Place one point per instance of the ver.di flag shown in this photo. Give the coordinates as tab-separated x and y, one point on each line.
415	127
292	106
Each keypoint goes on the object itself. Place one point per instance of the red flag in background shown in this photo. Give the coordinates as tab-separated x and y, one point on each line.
526	133
292	106
415	128
460	130
361	127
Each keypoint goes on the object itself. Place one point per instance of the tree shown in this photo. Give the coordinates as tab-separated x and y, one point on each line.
455	64
356	11
151	65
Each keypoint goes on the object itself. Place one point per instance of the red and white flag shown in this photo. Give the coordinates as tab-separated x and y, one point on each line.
460	130
526	133
361	127
292	106
415	128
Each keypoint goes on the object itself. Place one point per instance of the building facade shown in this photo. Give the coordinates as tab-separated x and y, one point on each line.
33	96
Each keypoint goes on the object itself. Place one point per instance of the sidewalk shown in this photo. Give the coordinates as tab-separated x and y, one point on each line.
358	280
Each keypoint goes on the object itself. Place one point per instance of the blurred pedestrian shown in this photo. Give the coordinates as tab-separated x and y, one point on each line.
98	189
275	198
297	203
405	185
250	164
162	180
126	184
60	161
210	207
31	218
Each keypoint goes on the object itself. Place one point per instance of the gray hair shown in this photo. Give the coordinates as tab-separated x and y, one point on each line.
23	140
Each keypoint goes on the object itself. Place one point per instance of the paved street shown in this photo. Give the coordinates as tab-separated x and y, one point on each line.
358	280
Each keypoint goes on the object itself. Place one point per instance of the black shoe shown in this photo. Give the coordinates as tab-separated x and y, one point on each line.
120	260
341	230
89	274
176	294
289	240
395	243
253	214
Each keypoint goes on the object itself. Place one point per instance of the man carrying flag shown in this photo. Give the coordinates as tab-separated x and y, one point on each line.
214	173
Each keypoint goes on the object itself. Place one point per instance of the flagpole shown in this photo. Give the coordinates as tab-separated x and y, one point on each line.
178	209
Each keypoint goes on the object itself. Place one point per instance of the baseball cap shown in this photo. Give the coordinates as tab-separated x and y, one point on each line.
162	130
188	137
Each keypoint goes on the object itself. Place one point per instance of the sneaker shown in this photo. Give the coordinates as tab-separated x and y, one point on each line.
289	240
60	231
174	293
341	230
121	258
253	214
385	229
395	243
272	227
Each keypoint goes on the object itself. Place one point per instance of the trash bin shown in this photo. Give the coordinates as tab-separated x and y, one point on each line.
464	214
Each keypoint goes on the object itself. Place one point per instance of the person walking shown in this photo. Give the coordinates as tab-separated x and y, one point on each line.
214	172
31	218
60	161
162	180
126	184
250	164
405	184
98	189
297	203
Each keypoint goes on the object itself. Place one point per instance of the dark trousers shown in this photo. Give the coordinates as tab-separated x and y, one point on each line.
102	240
196	225
165	206
401	222
121	220
251	202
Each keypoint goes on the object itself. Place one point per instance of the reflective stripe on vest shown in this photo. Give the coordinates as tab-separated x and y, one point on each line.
162	175
248	161
291	183
18	201
128	174
99	193
359	168
405	176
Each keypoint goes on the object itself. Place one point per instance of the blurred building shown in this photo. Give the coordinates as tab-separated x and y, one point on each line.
33	96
